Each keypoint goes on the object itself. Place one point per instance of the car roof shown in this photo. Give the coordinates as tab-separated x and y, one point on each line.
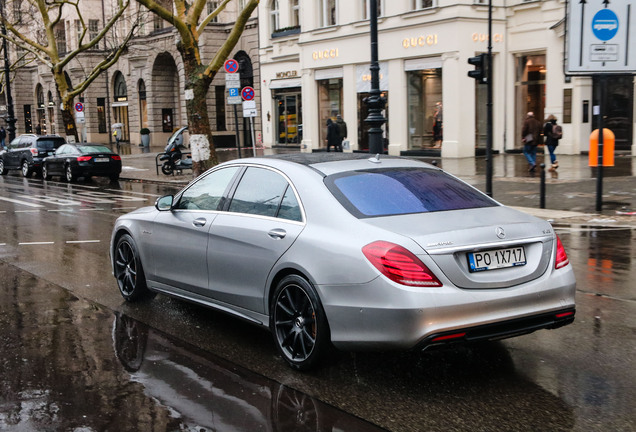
327	163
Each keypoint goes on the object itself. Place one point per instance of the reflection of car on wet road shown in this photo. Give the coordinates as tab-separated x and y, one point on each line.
207	393
343	249
72	161
27	153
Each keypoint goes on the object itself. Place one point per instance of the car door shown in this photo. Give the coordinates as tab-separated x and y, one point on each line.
263	219
12	157
54	164
178	239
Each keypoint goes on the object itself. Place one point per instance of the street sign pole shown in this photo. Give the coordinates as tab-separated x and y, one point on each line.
253	138
238	136
599	164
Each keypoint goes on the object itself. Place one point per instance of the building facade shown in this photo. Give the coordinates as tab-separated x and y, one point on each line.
315	59
144	89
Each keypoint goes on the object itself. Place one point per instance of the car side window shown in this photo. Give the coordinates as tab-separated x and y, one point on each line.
207	192
260	192
289	208
62	150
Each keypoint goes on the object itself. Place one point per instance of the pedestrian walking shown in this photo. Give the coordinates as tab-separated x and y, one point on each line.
333	136
342	129
530	137
552	133
438	126
3	137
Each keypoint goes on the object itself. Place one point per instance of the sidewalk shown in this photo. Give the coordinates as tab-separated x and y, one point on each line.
570	193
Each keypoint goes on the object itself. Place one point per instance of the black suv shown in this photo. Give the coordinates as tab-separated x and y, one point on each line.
27	151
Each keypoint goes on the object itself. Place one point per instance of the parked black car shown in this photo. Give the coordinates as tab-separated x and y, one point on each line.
72	161
26	152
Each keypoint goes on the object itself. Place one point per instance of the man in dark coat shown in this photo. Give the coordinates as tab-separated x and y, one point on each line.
530	136
333	136
342	129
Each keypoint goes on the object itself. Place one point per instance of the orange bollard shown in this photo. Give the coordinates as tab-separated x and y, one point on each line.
608	148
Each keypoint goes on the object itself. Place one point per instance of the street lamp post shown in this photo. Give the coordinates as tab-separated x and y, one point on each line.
7	88
375	101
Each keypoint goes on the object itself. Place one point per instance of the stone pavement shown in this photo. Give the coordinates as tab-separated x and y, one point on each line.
570	192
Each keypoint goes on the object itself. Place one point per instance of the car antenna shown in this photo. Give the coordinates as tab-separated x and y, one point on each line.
375	159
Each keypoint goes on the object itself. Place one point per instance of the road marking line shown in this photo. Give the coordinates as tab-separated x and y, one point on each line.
3	244
91	209
82	241
21	202
132	192
61	210
27	211
35	243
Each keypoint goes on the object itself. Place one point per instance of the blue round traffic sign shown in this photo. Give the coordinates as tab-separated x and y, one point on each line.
247	93
231	66
605	24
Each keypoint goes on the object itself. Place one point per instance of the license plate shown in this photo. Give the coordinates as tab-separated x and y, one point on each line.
496	259
102	159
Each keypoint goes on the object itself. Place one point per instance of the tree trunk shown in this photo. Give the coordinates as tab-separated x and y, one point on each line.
69	124
196	90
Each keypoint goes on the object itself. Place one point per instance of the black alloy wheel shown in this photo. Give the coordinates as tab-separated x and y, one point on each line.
129	271
45	173
70	177
26	171
298	322
167	168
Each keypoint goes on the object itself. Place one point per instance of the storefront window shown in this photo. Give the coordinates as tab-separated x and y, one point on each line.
617	108
424	91
289	120
329	104
529	90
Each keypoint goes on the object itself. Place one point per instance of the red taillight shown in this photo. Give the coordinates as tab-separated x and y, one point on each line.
34	151
84	158
564	314
399	265
116	157
448	337
561	257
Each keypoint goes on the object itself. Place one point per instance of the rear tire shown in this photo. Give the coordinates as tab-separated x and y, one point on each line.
3	170
129	272
114	178
26	171
298	323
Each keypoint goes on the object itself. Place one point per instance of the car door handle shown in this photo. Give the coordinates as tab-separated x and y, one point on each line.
277	233
199	222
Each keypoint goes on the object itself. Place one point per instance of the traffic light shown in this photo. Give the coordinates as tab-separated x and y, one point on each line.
481	68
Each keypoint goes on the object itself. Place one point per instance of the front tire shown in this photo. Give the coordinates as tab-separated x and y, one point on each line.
3	170
167	168
299	323
128	270
70	177
45	173
26	171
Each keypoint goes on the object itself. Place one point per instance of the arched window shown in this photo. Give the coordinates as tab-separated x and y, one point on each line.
274	16
121	91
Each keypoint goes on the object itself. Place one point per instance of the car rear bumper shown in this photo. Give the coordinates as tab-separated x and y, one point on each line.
402	318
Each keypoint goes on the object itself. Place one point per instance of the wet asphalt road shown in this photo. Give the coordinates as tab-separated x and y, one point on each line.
74	356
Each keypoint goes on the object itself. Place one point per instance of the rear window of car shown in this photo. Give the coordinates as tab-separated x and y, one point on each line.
396	191
93	149
49	144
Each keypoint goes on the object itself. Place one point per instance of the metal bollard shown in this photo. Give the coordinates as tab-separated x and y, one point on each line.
542	192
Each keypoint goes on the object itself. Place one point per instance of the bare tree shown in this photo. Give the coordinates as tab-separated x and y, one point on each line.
189	21
37	28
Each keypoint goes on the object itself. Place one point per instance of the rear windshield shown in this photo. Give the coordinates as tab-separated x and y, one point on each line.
397	191
93	149
49	144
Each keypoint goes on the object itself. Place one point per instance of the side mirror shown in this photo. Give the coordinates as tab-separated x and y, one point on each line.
164	203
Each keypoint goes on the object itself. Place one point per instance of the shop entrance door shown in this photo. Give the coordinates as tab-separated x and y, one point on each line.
289	119
618	109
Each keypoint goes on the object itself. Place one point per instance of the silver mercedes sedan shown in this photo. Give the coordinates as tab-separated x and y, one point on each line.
350	251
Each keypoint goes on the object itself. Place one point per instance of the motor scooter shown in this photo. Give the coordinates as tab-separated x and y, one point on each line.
173	156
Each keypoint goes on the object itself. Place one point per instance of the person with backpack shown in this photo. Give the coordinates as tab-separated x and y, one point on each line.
552	133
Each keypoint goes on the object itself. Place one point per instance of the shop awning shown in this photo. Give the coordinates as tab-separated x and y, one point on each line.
284	83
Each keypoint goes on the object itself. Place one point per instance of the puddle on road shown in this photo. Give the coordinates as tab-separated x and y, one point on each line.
70	365
602	258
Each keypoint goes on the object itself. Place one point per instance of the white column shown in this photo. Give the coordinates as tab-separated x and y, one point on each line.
458	94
